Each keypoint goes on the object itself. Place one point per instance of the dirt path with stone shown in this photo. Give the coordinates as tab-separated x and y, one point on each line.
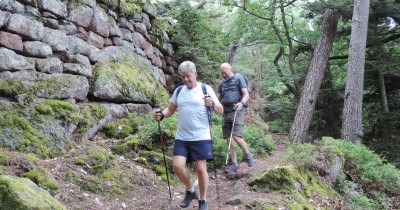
235	194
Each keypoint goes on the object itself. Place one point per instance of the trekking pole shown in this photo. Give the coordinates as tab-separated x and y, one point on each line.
230	139
163	152
209	112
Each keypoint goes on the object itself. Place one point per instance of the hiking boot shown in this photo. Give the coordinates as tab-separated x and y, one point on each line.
249	159
232	169
203	205
188	198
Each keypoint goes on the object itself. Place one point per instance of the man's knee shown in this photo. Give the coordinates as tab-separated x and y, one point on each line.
201	166
178	163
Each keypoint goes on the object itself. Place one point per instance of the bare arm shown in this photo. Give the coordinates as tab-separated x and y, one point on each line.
245	98
166	113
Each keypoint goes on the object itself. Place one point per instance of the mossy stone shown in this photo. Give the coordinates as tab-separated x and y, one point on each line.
21	193
289	180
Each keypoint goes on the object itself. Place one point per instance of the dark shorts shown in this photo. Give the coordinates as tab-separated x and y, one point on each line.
194	150
227	123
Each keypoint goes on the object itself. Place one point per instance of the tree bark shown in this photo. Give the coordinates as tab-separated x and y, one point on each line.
316	72
352	111
231	53
382	91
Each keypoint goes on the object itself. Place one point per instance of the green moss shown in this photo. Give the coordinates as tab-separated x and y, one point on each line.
80	161
32	158
92	185
126	8
118	180
4	160
100	160
17	134
11	88
114	130
43	179
44	109
143	161
132	82
90	114
126	147
289	180
21	193
71	177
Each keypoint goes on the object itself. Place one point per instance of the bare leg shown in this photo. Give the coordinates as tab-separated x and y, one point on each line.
242	144
202	174
178	163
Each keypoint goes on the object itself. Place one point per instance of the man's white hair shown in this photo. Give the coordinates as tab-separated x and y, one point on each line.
187	66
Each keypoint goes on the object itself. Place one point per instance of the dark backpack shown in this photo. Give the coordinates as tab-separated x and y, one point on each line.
204	88
249	89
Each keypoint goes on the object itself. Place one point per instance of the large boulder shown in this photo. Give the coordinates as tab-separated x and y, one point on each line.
11	61
52	86
129	80
22	193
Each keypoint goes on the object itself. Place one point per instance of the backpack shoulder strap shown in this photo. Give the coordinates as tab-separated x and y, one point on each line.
178	90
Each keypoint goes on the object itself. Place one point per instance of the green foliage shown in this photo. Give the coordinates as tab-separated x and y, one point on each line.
93	184
256	139
298	184
126	147
148	132
356	197
42	178
301	155
120	128
80	161
17	134
4	159
59	109
89	115
198	40
373	179
118	181
99	160
126	8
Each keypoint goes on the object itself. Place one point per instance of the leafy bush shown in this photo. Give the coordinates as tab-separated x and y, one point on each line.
120	128
374	183
356	199
368	167
257	140
148	131
301	155
278	126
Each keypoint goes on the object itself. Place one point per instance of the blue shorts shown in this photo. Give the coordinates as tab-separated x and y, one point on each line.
194	150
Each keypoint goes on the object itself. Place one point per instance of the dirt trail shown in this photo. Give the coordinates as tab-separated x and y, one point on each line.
149	192
237	192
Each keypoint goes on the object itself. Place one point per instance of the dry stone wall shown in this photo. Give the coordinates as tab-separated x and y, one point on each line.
53	47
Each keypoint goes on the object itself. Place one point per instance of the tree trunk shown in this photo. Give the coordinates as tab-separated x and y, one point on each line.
256	101
382	91
353	97
384	103
231	53
316	72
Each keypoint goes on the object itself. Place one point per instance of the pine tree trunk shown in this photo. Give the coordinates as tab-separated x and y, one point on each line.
352	111
316	72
